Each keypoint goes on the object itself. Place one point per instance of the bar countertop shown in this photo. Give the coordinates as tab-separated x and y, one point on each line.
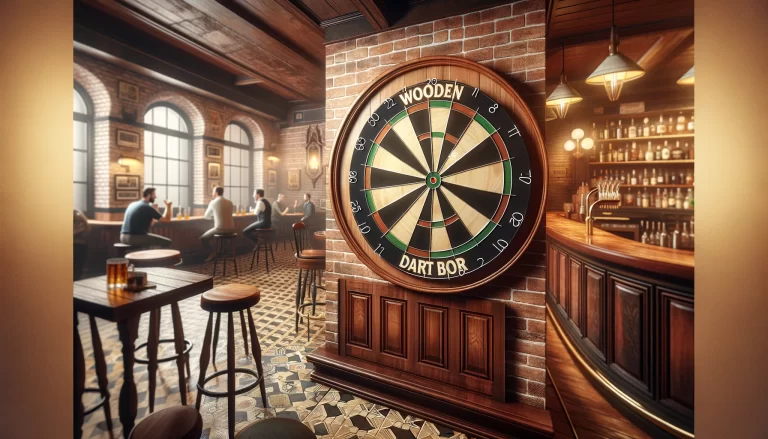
615	249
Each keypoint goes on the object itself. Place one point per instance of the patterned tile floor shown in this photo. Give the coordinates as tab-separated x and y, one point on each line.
291	393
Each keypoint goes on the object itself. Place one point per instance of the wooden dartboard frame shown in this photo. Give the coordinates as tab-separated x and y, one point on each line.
408	74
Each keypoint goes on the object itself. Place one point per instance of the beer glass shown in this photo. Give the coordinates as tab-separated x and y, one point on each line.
117	273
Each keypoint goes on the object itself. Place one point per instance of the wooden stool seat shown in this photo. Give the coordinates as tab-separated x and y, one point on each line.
312	254
225	235
154	258
276	428
230	298
122	249
180	422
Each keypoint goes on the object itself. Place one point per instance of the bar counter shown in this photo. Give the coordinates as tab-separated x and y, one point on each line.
625	310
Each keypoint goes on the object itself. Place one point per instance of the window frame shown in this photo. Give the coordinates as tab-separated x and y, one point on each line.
88	119
249	148
180	134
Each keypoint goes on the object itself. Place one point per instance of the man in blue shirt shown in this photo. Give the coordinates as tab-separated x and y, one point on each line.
139	216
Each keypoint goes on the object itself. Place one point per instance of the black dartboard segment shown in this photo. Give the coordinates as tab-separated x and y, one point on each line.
440	180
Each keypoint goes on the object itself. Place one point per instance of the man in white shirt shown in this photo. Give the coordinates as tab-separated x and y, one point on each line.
220	211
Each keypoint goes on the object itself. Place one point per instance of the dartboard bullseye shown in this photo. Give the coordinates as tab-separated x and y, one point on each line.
439	182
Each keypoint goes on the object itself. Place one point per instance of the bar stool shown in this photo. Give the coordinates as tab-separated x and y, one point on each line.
230	299
162	258
264	240
180	422
283	234
276	428
101	374
221	255
312	262
122	249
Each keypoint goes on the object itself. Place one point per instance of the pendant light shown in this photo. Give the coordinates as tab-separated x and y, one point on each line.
563	95
686	79
616	69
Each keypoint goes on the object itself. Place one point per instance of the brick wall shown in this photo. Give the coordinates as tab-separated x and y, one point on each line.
291	149
510	40
209	119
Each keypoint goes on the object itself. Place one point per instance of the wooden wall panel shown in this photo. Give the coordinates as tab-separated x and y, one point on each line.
433	335
562	274
476	350
595	300
630	329
552	279
575	293
359	320
394	327
677	351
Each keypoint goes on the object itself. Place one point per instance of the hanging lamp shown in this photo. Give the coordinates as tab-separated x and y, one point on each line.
616	69
686	79
563	95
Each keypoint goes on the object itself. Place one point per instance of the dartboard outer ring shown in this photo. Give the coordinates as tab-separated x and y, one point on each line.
515	106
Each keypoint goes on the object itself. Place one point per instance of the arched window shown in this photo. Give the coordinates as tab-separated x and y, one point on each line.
167	152
82	120
237	164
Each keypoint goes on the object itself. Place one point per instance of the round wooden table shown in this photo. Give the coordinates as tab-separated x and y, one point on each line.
154	258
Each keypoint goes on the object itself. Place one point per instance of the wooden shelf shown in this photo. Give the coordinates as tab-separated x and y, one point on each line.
660	186
642	139
654	210
638	162
673	111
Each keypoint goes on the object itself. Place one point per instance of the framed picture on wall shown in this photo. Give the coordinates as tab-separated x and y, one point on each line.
214	170
128	91
213	151
128	139
126	195
271	178
212	184
127	182
294	179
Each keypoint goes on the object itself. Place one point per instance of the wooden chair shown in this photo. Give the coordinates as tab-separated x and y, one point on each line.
221	255
180	422
311	262
276	428
230	299
264	243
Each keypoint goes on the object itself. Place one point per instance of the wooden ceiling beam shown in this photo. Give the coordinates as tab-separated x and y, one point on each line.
625	31
663	48
372	13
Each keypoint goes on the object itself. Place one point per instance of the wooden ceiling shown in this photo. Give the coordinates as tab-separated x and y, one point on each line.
657	34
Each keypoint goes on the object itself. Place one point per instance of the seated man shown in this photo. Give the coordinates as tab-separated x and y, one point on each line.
220	211
139	216
278	209
308	207
263	216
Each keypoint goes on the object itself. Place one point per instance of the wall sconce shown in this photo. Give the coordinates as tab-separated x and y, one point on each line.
578	143
273	160
314	151
127	162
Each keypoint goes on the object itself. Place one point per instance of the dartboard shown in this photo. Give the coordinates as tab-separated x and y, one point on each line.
439	181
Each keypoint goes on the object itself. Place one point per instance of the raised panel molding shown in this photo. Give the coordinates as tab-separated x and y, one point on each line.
552	282
575	308
476	345
677	351
562	274
433	335
394	327
359	328
630	330
595	315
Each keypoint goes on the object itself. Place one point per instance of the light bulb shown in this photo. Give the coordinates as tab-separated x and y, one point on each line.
570	145
577	134
587	143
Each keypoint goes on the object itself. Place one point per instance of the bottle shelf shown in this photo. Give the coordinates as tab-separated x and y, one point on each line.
642	139
657	210
670	112
638	162
660	186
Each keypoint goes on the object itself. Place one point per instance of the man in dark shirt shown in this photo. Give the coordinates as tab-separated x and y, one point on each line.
139	217
308	207
263	216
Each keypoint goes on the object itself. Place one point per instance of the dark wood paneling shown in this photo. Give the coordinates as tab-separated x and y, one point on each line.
552	281
359	308
476	350
433	335
575	293
562	275
677	351
394	327
595	315
629	329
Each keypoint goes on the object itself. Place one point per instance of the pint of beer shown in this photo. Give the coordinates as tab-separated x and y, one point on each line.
117	273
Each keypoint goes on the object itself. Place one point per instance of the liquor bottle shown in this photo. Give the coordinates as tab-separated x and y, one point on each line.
691	124
661	128
612	130
646	127
692	244
677	153
633	179
633	153
675	241
663	237
671	201
685	238
619	131
687	200
623	177
629	199
615	155
689	177
653	177
649	153
644	238
687	151
593	180
606	134
657	234
660	177
620	155
646	181
690	155
673	178
670	126
680	127
666	177
594	131
678	199
664	199
646	198
610	153
665	152
639	199
657	154
601	158
657	199
632	129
